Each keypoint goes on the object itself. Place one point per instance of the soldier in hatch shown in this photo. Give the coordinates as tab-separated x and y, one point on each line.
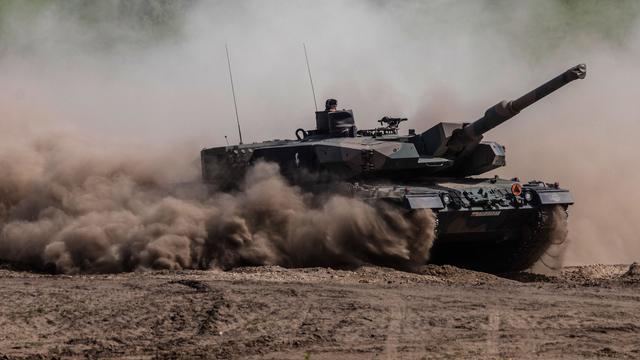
330	105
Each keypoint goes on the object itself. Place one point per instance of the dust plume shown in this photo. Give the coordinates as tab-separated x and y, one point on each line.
553	258
65	210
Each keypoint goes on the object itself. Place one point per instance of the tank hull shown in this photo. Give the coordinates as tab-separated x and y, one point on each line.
485	226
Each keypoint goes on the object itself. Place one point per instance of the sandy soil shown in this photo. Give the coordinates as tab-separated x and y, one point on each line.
441	312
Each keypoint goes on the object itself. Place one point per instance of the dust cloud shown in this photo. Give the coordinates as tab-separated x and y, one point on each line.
64	209
105	105
553	258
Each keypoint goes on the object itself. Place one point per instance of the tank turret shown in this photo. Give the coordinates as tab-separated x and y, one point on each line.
338	148
461	142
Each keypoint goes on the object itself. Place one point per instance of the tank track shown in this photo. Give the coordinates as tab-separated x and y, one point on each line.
540	246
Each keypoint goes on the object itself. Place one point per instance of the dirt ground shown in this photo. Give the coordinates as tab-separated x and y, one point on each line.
440	312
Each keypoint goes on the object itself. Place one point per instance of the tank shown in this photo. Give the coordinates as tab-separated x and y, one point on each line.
483	223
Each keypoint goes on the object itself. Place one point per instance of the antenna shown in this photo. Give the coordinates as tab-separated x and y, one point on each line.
313	91
226	139
233	91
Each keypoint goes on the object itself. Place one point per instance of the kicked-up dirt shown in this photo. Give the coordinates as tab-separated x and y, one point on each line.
438	312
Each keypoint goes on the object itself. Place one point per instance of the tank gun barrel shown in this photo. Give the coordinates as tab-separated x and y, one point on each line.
505	110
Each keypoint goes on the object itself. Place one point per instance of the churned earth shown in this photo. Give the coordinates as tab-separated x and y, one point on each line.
438	312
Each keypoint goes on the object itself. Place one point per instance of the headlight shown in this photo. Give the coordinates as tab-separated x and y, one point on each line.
446	199
528	196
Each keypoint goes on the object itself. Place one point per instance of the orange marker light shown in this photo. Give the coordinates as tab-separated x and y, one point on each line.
516	189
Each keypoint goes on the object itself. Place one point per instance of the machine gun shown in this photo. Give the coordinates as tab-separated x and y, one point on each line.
388	126
391	123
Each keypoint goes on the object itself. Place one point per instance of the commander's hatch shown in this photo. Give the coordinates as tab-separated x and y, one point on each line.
335	122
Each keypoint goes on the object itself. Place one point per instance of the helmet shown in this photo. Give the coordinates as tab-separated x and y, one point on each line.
330	103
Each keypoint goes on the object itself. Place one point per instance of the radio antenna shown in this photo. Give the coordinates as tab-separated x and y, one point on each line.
313	91
233	91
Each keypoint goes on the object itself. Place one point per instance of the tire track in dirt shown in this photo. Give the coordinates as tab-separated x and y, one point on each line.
397	309
210	323
492	329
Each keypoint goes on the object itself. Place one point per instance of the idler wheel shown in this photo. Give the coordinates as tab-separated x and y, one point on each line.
304	134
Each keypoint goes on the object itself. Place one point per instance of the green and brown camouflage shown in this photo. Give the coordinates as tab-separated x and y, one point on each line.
490	224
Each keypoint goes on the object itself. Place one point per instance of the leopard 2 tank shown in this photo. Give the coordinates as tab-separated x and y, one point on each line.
487	224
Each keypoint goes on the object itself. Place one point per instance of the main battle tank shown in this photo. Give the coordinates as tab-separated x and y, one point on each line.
487	224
